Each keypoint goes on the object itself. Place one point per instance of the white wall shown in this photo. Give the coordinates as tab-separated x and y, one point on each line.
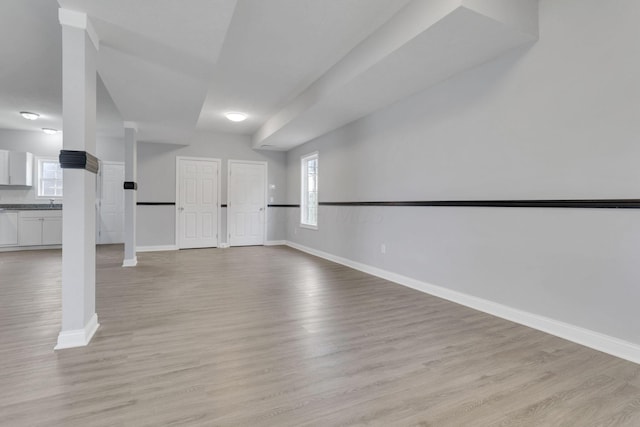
558	120
157	175
42	145
110	149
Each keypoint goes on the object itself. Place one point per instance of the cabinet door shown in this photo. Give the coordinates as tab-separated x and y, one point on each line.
8	228
20	168
52	231
4	167
30	231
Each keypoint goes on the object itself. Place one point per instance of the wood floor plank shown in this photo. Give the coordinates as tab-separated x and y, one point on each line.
269	336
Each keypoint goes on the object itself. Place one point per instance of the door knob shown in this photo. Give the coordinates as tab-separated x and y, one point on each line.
180	209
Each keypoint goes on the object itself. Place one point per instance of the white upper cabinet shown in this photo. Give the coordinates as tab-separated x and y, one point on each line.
4	167
20	168
16	168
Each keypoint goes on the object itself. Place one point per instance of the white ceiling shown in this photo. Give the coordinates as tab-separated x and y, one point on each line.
176	66
156	57
31	70
274	49
424	44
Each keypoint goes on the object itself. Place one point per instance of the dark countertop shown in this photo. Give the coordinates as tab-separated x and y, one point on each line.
31	207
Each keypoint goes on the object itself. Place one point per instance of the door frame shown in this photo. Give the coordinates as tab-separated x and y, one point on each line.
99	188
266	194
177	199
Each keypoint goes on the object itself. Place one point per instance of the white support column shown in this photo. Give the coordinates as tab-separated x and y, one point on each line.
79	56
130	193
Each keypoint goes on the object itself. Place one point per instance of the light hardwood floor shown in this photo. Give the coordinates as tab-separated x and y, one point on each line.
274	337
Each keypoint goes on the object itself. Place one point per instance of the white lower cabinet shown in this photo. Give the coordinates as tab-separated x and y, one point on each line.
38	228
52	231
8	228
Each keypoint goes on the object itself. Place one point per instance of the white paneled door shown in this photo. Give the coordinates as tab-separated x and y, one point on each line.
110	221
197	202
246	207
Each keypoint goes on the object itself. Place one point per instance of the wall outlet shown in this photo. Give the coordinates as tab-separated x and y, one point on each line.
383	248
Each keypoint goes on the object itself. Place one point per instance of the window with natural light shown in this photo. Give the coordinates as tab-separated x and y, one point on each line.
309	196
49	178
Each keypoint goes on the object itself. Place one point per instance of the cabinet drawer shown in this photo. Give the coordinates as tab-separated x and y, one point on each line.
41	214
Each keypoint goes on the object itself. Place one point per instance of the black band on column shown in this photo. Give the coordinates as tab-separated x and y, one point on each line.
72	159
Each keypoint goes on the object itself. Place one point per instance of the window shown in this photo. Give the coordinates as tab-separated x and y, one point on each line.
309	194
49	178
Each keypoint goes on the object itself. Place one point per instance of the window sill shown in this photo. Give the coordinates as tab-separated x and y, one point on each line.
309	226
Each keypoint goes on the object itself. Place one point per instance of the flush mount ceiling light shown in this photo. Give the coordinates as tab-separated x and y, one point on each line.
29	116
235	116
50	131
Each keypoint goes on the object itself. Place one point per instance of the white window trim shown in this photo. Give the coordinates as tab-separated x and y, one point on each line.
39	182
303	160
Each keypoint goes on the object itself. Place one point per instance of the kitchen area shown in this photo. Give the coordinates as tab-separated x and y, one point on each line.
28	225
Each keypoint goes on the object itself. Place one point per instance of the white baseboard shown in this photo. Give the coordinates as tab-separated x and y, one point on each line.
130	262
598	341
78	337
158	248
266	243
28	248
